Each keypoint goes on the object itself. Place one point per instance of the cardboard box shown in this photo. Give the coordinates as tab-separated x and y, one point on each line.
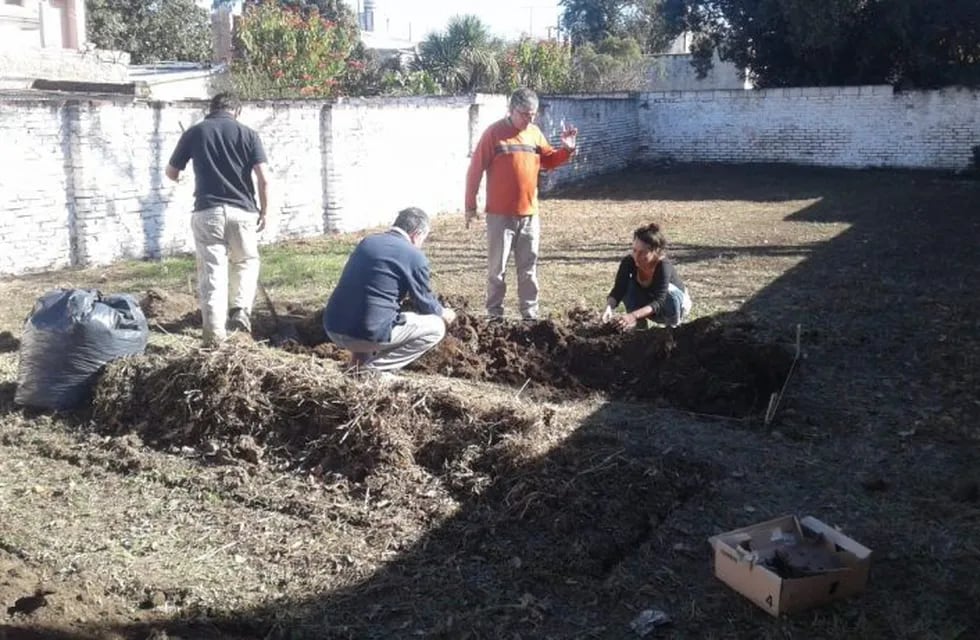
788	565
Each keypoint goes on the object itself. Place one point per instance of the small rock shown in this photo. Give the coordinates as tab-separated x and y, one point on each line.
648	620
154	600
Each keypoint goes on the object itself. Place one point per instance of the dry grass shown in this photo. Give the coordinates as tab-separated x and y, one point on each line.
454	510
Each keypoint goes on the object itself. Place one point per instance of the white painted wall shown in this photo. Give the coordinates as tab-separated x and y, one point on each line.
673	72
870	126
86	184
34	207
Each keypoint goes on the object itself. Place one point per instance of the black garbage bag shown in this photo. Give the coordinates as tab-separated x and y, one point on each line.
69	337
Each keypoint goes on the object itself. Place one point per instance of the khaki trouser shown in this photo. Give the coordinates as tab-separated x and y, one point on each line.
227	246
408	342
522	235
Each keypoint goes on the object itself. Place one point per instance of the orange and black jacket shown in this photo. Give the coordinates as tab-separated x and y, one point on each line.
511	159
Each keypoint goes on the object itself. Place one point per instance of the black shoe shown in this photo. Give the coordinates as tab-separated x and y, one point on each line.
238	321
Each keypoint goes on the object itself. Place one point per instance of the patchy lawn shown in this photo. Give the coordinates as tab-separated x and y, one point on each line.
533	480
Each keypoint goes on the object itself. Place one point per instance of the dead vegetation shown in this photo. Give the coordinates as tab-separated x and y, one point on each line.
532	480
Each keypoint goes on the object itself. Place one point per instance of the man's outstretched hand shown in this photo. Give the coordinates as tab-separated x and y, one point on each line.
569	135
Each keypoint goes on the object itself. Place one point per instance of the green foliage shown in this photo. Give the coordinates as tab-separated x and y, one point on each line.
650	23
408	82
614	64
287	53
165	30
463	58
839	42
592	20
543	65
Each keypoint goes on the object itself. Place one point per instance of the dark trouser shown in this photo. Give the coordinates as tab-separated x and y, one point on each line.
671	313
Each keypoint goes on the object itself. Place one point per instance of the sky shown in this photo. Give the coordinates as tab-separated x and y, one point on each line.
506	18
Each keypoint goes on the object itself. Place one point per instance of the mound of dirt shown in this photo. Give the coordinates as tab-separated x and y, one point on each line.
532	508
257	403
705	366
173	312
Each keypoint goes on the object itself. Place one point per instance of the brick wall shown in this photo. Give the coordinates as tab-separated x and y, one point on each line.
34	189
86	185
383	155
608	134
833	126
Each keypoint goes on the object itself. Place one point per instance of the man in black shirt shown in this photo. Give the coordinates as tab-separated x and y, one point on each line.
226	220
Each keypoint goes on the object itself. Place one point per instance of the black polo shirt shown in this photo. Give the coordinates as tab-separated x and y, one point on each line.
224	152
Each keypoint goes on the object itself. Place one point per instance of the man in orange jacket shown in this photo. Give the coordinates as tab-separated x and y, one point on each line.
511	152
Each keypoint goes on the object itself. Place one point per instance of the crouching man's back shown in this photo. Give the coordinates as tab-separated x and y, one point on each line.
364	313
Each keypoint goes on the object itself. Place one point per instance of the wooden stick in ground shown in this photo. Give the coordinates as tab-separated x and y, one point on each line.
775	399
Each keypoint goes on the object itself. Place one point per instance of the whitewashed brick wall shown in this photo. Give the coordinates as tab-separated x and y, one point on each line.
34	189
834	126
607	140
387	154
82	180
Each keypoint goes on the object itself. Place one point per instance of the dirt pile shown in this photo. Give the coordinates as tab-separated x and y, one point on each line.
255	403
705	366
171	311
529	496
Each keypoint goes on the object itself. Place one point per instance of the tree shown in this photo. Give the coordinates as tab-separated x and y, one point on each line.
839	42
462	58
151	31
287	52
592	20
543	65
336	11
615	64
648	22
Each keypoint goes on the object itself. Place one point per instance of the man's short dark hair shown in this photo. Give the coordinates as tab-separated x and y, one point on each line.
412	220
225	101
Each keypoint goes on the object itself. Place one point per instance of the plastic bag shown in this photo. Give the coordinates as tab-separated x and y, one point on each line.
69	337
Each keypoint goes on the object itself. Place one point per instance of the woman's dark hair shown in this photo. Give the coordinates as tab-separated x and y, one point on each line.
651	236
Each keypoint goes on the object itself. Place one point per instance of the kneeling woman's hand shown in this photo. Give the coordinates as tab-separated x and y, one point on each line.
625	321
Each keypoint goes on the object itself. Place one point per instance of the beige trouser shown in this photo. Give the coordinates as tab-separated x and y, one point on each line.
227	258
520	234
408	342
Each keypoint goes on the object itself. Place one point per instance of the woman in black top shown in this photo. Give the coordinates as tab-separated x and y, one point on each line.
648	285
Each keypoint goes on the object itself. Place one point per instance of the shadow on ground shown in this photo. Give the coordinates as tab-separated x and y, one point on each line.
617	520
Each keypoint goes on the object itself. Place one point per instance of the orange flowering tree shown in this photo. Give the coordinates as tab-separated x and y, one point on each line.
286	52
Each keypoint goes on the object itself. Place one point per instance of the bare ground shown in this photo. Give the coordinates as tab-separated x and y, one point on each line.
560	510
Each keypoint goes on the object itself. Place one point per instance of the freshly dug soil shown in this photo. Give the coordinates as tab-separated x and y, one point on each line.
706	366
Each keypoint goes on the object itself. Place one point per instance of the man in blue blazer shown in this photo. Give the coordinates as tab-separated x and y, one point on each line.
363	314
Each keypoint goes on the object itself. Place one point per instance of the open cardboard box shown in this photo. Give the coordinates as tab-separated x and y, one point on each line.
746	560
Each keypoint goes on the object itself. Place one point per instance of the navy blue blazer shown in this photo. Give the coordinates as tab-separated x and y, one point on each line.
383	269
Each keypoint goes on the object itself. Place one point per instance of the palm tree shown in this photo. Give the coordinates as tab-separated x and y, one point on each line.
462	59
